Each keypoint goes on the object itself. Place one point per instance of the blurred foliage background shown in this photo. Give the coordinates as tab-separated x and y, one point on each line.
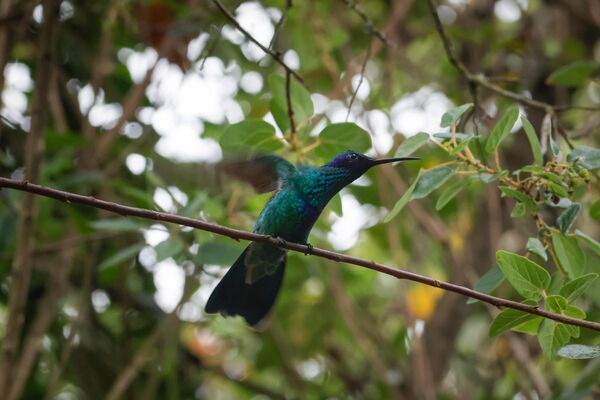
132	101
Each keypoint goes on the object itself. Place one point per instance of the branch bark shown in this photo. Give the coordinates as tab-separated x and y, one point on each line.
275	56
237	234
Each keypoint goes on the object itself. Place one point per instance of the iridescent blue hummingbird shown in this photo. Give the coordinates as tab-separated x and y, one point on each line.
251	285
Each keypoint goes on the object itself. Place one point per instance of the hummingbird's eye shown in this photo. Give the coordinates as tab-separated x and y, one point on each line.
353	156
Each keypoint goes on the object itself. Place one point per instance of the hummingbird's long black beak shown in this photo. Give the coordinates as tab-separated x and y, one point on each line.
391	160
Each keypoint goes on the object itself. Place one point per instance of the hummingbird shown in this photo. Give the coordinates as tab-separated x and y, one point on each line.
250	286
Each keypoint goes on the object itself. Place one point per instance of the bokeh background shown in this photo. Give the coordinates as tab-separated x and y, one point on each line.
138	94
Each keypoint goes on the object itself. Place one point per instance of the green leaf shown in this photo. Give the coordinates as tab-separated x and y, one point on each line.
534	142
117	225
445	136
558	189
566	219
451	117
519	210
402	201
595	210
337	138
535	246
488	282
593	244
552	336
556	303
528	278
450	192
577	287
431	180
412	144
508	319
586	156
574	74
168	248
217	252
579	351
521	197
515	194
551	177
121	256
529	327
302	104
250	134
502	129
570	256
488	178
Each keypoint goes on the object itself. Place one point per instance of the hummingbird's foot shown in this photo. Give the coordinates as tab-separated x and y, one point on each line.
280	241
309	249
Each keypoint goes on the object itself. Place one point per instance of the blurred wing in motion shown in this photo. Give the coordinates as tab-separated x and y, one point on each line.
264	173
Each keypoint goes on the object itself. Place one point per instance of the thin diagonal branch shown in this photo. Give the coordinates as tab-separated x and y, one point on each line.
237	234
370	26
288	99
363	68
275	56
288	5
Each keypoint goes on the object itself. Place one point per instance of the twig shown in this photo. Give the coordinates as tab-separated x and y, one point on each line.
237	234
21	268
288	5
288	98
370	26
208	49
360	81
275	56
485	82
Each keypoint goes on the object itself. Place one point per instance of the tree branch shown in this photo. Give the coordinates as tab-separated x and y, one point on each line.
237	234
275	56
370	26
290	110
483	81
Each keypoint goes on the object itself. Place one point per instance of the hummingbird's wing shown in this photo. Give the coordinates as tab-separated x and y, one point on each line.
264	172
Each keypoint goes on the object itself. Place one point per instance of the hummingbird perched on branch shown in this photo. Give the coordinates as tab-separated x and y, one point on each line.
251	285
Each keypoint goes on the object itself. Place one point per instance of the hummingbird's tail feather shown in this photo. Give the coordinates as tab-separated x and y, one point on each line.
233	296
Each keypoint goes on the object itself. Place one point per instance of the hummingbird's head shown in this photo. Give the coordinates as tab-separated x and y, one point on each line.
357	163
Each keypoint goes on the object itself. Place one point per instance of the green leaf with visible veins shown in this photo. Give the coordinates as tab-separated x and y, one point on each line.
431	180
528	278
552	336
